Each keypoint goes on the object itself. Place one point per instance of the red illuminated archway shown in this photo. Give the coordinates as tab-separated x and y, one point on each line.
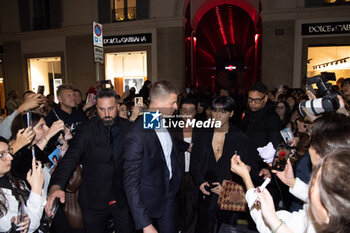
222	33
210	4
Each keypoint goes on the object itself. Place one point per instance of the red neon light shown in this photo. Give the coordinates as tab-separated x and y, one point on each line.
209	4
230	67
207	55
256	38
230	20
221	27
208	36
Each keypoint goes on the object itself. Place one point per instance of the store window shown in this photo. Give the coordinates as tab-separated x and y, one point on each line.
45	71
329	59
126	70
124	10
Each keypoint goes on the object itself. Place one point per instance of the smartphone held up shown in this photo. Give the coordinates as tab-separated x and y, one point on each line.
283	153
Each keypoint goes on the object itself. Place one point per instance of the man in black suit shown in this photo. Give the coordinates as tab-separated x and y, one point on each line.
98	147
152	173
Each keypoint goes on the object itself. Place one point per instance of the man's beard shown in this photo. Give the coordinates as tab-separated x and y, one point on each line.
108	121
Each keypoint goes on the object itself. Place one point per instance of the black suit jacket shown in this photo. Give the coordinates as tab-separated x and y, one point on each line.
102	163
235	140
146	176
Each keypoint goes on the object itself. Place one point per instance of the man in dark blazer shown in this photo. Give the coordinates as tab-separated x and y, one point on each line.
152	174
98	147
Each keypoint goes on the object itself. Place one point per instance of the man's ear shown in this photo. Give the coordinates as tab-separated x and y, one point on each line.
59	98
232	113
266	98
118	106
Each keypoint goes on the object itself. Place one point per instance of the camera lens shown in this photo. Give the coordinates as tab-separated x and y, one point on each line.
320	105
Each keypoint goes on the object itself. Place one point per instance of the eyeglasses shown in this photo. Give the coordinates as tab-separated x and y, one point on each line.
4	154
257	100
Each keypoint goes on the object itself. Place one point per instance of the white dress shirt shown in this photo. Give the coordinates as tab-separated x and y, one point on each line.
167	145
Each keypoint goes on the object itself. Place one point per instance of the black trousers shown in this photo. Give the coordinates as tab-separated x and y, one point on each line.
210	217
97	220
169	222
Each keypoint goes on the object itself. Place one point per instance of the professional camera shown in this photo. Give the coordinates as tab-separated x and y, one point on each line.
327	101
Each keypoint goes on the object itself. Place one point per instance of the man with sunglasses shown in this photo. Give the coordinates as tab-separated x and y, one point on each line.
262	125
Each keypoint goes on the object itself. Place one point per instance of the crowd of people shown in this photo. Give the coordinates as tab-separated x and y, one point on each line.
93	166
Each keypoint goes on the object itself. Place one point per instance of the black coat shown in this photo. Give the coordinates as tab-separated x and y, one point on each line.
235	140
262	127
102	163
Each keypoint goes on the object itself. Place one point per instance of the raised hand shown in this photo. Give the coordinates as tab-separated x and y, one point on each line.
287	175
56	127
23	138
238	167
89	102
35	177
32	102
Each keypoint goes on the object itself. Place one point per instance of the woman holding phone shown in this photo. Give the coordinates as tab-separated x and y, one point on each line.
328	209
43	134
14	194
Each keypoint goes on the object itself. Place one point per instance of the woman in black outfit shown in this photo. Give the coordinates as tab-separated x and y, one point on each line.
210	164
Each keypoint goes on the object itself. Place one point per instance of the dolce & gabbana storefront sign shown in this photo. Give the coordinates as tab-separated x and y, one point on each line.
127	39
326	28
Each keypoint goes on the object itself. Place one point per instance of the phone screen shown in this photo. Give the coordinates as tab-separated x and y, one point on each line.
41	89
138	101
282	154
29	118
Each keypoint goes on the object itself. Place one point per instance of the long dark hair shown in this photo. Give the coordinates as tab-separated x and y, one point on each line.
20	122
334	190
19	189
286	116
330	132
